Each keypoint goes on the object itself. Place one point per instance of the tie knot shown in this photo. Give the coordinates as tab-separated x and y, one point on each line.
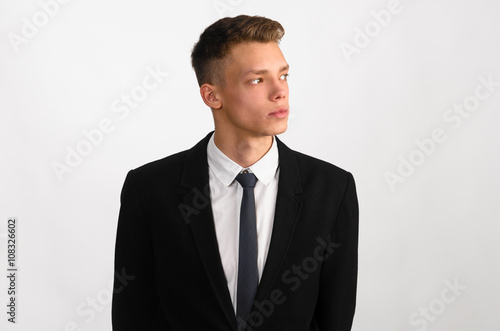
246	179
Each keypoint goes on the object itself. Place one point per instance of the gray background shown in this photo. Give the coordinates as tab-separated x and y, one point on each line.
436	225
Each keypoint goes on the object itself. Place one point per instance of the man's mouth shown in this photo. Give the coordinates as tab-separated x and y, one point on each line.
279	113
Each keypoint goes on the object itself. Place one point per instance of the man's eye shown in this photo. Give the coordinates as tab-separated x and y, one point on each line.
284	77
256	81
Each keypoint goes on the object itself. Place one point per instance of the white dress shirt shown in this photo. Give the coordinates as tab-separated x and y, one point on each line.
226	195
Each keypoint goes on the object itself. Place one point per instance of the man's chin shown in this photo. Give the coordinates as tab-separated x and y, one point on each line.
281	129
273	131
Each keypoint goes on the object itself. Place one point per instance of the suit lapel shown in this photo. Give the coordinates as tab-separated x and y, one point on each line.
288	206
196	193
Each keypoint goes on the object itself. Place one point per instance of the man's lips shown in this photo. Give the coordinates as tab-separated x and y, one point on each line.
280	112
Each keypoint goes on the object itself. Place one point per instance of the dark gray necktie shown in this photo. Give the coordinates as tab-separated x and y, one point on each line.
248	276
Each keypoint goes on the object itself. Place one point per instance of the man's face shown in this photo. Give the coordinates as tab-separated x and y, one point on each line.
255	95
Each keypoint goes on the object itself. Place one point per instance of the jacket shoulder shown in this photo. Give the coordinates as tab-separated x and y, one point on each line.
164	170
184	167
318	173
309	165
313	164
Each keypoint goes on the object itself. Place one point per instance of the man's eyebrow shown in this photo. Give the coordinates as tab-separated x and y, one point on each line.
264	71
285	68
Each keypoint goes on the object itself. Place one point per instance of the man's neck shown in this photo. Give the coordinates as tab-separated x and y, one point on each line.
243	150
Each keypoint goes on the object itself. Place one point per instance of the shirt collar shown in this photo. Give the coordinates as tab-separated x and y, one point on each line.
226	169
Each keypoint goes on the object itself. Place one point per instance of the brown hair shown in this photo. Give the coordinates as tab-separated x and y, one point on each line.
207	57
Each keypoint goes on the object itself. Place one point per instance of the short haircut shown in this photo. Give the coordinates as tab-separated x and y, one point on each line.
209	53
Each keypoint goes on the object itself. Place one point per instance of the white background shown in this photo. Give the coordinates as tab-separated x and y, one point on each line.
438	225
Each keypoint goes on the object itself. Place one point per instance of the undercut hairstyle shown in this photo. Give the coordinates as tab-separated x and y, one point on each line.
210	52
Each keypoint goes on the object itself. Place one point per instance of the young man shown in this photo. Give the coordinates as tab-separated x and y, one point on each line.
239	232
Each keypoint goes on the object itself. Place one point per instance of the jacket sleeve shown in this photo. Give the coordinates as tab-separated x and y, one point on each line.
338	279
135	302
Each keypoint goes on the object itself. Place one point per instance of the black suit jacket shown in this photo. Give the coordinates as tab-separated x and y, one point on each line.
168	271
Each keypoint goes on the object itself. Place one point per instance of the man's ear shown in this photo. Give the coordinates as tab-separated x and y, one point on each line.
209	94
